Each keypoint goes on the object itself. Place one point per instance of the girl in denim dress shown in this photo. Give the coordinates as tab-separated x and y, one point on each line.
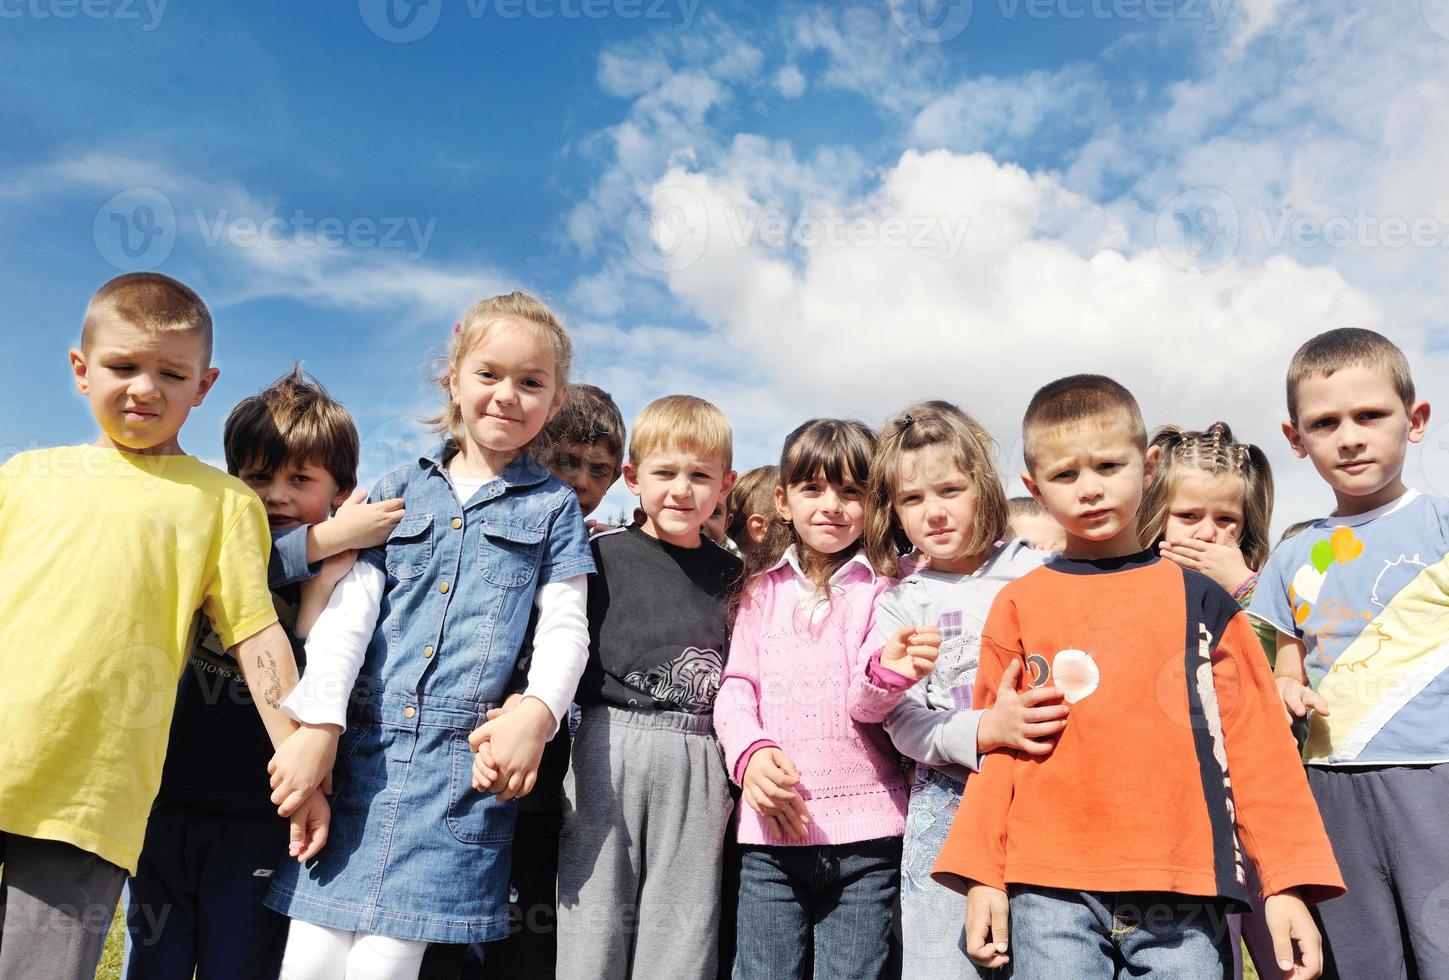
429	626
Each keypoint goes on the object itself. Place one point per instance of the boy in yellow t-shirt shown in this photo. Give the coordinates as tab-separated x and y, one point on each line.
119	545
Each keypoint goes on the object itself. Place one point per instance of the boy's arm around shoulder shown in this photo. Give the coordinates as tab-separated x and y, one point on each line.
737	717
1278	820
975	848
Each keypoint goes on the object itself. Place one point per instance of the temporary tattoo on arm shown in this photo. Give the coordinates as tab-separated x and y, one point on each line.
271	679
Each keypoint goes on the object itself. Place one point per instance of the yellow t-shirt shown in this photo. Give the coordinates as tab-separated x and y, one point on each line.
108	558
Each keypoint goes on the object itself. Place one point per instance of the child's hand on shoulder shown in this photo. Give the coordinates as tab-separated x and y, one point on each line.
309	826
358	524
1290	922
514	741
769	788
912	650
1029	722
301	765
987	916
1223	563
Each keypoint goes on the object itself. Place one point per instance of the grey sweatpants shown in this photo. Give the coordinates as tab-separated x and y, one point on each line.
1391	838
646	805
56	903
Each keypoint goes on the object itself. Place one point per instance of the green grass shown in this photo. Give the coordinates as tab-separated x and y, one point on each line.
110	966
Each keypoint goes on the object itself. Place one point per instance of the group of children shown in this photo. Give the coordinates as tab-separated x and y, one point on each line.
901	725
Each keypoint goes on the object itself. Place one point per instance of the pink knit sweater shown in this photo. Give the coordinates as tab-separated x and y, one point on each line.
796	680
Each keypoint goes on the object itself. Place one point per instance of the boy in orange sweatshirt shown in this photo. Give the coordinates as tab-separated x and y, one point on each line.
1122	851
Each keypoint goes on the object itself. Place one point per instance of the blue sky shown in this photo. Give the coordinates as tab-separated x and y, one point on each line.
1176	192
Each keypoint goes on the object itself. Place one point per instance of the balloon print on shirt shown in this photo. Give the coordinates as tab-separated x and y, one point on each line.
686	683
1339	548
1073	671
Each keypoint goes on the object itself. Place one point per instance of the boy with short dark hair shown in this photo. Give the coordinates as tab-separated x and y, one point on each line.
1360	600
1124	848
120	544
213	840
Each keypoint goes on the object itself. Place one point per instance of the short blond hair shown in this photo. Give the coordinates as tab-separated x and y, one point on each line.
1081	399
152	302
681	422
1348	347
477	325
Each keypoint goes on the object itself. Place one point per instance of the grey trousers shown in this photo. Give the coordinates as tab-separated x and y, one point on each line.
1390	836
646	806
56	904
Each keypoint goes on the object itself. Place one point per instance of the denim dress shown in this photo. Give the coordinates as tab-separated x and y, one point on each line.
414	851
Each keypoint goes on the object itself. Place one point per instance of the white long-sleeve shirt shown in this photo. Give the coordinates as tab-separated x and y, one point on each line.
338	643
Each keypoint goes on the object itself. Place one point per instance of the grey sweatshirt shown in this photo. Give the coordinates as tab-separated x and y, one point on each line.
934	722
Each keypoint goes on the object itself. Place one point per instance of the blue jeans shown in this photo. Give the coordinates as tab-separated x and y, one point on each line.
1105	936
932	915
829	902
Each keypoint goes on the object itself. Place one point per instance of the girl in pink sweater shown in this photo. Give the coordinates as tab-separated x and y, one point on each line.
826	794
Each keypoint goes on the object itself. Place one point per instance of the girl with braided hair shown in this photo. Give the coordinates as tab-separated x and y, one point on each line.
1209	504
1207	508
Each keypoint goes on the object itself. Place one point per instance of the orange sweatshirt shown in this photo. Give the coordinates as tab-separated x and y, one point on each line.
1176	765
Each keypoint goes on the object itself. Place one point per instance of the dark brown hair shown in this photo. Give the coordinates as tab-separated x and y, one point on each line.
588	416
1079	399
292	420
837	450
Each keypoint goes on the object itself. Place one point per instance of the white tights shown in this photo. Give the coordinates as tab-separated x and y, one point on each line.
319	953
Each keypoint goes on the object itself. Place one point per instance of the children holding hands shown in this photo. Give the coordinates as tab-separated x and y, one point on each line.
429	626
1102	768
85	725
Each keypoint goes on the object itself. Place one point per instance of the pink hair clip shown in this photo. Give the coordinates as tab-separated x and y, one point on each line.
458	327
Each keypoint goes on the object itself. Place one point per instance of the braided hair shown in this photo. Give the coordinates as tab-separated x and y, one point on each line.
1215	452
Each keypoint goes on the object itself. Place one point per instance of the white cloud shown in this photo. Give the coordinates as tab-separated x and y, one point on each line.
1296	111
790	82
999	114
